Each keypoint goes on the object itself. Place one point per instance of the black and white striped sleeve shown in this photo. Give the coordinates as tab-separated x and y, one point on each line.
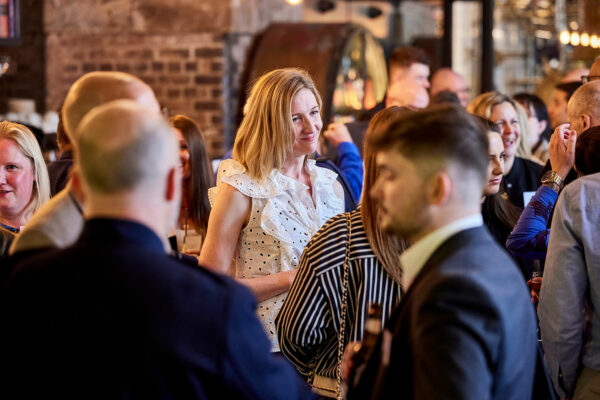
304	323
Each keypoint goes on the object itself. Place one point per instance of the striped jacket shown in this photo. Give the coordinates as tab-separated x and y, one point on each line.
309	321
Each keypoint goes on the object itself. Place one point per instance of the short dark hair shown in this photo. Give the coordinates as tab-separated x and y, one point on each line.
587	151
443	132
445	96
569	88
404	57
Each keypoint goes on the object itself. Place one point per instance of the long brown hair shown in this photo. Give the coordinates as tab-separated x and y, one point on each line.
200	178
386	246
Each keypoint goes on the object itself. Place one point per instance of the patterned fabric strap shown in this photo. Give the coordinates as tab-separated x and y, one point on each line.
340	393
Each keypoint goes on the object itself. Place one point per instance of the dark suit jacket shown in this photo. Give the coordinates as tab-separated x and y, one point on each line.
58	172
464	330
113	316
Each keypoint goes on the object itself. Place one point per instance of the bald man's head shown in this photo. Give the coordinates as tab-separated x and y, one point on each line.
583	109
97	88
595	70
124	147
447	79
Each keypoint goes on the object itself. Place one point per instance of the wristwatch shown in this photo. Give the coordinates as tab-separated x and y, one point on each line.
553	177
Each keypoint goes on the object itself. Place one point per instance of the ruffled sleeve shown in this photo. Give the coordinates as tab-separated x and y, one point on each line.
234	174
323	180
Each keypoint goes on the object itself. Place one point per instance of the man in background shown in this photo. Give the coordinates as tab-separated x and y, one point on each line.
557	110
446	79
407	66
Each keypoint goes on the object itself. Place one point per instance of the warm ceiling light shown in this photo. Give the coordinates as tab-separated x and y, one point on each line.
573	25
595	41
565	37
294	2
585	39
575	39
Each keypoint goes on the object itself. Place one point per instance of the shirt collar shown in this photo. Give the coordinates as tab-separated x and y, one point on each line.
414	258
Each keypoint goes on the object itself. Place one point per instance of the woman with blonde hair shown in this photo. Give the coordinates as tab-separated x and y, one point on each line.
310	322
24	183
271	198
521	176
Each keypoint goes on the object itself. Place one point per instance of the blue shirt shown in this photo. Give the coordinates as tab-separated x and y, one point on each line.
529	237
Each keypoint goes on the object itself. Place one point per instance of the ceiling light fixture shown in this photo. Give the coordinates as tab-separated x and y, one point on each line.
575	38
585	39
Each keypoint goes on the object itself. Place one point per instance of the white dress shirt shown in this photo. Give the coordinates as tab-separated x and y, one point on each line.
415	257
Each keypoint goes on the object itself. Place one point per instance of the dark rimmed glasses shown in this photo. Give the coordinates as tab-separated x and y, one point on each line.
588	78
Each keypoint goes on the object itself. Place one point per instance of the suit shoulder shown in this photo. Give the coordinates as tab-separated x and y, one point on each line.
474	255
57	224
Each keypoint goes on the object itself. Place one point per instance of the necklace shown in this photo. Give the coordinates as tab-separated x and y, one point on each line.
10	228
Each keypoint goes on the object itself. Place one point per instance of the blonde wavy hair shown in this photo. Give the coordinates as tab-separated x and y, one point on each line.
29	146
482	105
265	135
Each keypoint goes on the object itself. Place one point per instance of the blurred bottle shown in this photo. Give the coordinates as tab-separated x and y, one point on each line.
363	351
536	276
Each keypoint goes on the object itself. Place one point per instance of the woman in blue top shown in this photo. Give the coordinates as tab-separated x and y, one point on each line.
529	237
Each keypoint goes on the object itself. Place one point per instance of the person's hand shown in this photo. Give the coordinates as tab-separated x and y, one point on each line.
562	150
348	360
535	284
337	133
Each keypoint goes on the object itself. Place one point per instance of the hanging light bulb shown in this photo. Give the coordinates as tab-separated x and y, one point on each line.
595	41
294	2
585	39
565	37
575	39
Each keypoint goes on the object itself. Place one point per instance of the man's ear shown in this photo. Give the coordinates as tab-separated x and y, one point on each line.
77	183
441	187
586	122
172	178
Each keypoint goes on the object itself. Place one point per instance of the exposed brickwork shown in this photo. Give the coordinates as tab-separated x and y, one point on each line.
190	52
25	77
173	72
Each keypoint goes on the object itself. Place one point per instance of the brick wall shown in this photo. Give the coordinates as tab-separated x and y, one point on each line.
185	71
25	77
176	47
190	52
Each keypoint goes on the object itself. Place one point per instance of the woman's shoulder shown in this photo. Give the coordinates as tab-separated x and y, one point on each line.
322	174
235	174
